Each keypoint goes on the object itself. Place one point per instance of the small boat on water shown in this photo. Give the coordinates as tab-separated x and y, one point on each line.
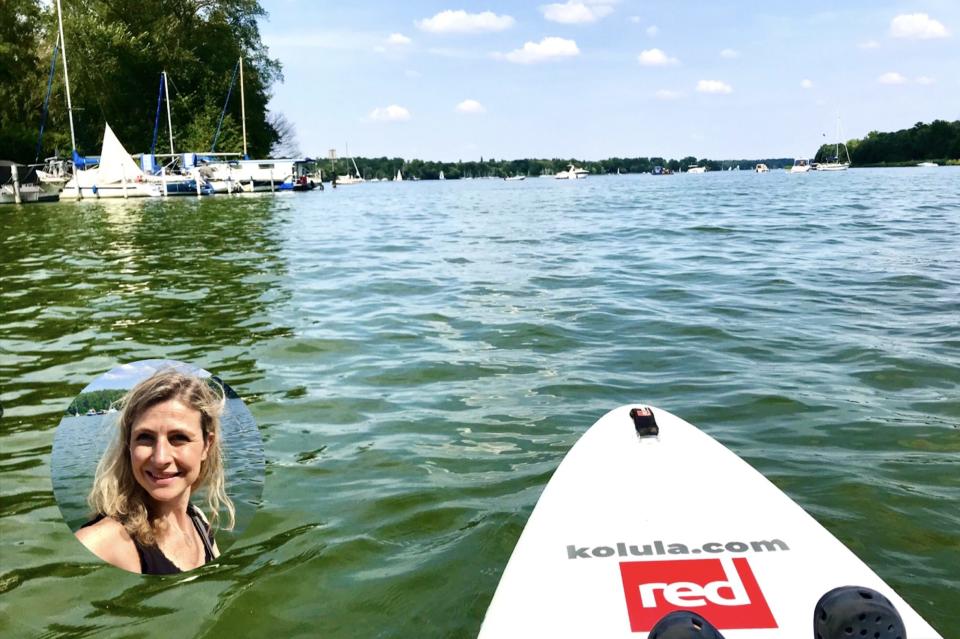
253	175
928	164
116	176
399	177
572	173
350	178
20	184
834	163
693	168
515	178
800	166
762	168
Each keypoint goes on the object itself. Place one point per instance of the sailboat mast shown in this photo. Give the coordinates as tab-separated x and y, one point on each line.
66	76
837	152
166	90
243	110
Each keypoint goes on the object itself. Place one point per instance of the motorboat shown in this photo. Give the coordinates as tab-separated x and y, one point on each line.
251	175
20	185
800	166
928	164
515	178
762	168
572	173
693	168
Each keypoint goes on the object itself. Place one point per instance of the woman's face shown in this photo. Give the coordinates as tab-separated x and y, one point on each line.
167	449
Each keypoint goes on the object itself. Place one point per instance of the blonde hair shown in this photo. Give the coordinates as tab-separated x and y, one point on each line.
116	492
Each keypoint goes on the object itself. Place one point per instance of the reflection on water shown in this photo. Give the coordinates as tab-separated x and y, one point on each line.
420	356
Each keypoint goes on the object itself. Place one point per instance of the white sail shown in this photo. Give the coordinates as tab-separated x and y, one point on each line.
116	165
116	176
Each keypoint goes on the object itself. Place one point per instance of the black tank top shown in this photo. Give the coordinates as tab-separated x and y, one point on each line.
152	559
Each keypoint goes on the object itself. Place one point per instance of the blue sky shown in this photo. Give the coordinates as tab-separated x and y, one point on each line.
600	78
127	376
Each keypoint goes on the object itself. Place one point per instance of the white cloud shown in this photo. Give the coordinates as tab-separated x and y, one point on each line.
463	22
918	26
392	113
730	54
869	44
551	48
398	39
806	84
925	79
634	19
655	58
667	94
576	11
470	106
713	86
891	77
653	30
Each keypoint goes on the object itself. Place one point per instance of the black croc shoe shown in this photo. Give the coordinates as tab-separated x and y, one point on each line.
683	624
853	611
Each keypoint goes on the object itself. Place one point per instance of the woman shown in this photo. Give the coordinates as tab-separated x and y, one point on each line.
167	447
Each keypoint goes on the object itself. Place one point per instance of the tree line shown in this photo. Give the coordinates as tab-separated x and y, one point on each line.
386	168
98	400
938	142
116	50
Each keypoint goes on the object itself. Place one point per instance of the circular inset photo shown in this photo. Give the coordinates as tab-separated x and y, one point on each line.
157	467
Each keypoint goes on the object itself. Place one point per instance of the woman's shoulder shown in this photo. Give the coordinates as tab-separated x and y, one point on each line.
110	541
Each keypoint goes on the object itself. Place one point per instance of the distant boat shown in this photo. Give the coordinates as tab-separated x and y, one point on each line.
762	168
349	179
800	166
572	173
399	177
928	164
693	168
835	164
441	176
515	178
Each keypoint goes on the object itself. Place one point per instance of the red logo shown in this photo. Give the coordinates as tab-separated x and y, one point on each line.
724	591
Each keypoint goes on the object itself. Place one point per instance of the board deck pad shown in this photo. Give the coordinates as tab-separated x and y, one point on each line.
630	528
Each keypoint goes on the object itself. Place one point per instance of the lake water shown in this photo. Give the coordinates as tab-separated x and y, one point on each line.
420	356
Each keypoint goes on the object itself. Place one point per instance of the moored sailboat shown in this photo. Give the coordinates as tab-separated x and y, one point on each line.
835	164
117	175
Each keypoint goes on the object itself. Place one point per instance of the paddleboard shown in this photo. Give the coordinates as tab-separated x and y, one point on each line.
633	526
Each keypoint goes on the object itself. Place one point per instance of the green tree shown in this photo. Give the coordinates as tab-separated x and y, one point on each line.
117	50
22	74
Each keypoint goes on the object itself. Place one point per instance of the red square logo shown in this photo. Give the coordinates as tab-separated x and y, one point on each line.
724	591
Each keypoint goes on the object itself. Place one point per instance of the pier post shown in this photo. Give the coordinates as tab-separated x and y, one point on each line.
16	185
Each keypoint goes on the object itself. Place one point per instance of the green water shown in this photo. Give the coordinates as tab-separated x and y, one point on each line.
420	356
